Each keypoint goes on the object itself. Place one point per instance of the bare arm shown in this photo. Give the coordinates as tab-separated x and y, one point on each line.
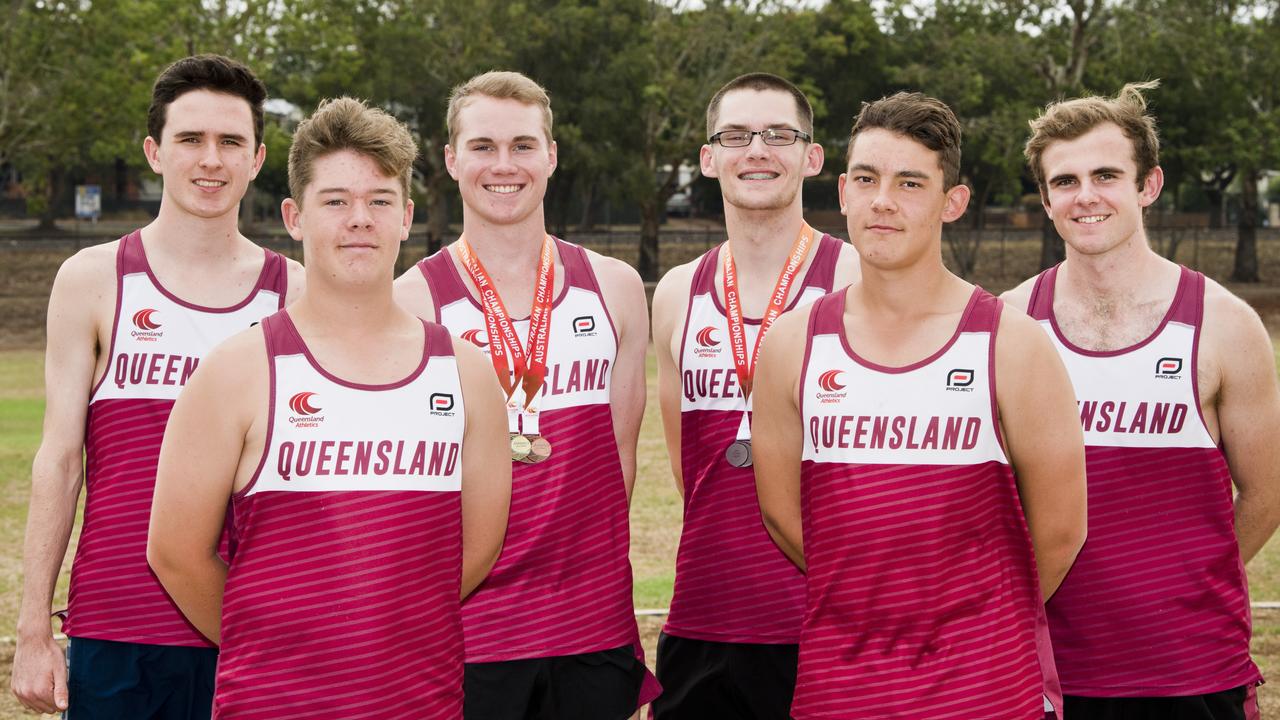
486	466
670	301
199	465
1038	416
1020	296
1248	413
412	294
777	432
85	282
624	297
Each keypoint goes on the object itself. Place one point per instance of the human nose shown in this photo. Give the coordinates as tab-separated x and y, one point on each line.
211	156
883	202
1087	194
360	216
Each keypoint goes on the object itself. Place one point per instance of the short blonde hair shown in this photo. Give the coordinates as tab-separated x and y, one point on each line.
349	124
502	85
1070	119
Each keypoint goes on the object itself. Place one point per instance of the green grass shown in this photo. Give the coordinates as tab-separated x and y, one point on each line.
655	520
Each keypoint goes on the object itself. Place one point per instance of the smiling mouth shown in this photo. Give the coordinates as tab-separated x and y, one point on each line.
503	189
1090	219
758	175
210	183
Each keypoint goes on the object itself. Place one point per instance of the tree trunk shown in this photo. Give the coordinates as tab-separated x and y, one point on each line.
587	222
1217	208
53	193
1246	266
247	216
650	220
978	206
437	216
1052	250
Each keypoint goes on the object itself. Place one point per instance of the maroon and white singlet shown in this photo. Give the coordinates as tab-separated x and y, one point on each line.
1157	602
732	584
342	595
157	339
923	599
562	585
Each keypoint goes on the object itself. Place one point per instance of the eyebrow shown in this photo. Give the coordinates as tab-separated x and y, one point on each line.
201	133
768	126
375	191
914	174
518	138
1096	171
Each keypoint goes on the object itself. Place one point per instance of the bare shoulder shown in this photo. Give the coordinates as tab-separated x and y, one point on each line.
297	279
1227	312
848	266
411	293
92	268
1021	339
241	356
1232	332
611	270
790	329
1020	296
672	292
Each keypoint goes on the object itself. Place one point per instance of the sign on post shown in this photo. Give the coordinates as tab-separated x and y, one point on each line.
89	201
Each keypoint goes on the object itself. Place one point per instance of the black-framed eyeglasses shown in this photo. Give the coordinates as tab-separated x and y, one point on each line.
771	136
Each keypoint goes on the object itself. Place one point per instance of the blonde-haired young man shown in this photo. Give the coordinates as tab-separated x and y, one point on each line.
359	448
1179	404
552	631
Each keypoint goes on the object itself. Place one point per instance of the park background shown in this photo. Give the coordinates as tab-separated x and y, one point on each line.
629	81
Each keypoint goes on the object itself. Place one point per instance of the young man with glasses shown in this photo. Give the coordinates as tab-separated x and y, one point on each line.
552	630
729	645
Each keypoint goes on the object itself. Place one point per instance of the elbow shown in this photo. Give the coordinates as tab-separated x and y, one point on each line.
162	562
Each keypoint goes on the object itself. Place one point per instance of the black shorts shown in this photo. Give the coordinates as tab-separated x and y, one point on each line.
1235	704
111	680
702	679
601	685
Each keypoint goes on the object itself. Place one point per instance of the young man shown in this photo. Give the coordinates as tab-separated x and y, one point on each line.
128	323
1178	401
552	631
889	420
360	448
729	645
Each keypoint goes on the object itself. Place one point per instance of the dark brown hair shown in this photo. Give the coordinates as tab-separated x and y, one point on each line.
924	119
760	82
205	72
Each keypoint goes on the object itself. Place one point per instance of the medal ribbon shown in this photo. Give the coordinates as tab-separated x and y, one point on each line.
530	366
745	366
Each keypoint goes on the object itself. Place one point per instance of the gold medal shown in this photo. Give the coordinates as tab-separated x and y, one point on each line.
539	449
520	447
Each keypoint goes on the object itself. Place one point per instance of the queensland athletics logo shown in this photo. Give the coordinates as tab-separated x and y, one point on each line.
305	413
1169	368
441	404
706	345
147	326
584	326
960	380
831	387
473	337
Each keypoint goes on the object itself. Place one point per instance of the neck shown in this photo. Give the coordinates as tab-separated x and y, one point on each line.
504	249
200	237
1126	270
761	240
909	291
346	309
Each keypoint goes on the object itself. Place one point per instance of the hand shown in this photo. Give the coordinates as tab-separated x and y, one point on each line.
40	675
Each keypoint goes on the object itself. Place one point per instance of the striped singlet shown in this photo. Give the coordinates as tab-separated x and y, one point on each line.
1156	603
157	339
562	585
923	599
732	584
342	596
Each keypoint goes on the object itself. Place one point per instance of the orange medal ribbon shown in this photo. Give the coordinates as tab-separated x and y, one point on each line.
745	366
530	365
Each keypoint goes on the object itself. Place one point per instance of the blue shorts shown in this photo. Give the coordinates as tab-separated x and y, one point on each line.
117	680
1235	704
